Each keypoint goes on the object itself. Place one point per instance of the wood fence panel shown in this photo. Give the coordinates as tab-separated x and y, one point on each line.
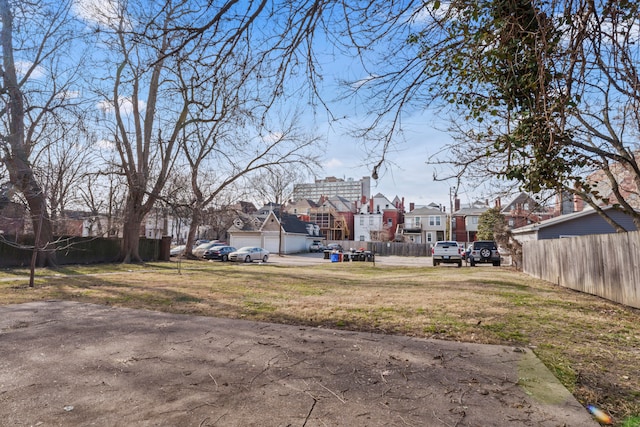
605	265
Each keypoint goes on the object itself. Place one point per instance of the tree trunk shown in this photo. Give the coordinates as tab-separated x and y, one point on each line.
196	218
134	214
17	159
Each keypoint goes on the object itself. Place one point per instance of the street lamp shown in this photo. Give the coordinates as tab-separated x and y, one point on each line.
452	195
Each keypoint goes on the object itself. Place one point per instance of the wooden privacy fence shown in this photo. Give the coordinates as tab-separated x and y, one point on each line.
607	265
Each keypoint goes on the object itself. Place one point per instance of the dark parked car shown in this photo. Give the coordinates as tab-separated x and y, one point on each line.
484	251
334	247
219	252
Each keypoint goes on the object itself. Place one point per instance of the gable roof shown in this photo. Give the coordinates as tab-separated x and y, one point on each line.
425	211
340	204
289	223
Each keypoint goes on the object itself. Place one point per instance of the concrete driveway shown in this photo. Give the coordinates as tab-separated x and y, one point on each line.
71	364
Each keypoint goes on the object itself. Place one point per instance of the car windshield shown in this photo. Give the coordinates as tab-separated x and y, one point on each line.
245	249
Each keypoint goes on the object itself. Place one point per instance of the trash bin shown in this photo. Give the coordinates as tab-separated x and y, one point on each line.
369	256
327	254
335	257
345	257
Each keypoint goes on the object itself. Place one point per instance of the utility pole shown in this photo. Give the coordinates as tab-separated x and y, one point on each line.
453	193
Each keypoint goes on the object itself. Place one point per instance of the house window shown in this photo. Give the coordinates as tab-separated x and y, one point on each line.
370	220
434	220
473	220
416	222
361	220
429	237
361	238
511	222
389	222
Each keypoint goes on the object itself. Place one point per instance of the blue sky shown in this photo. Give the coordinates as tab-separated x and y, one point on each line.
407	174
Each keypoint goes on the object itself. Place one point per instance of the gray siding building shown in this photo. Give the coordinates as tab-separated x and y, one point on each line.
582	223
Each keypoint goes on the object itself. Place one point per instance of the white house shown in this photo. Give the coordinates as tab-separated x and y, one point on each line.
368	223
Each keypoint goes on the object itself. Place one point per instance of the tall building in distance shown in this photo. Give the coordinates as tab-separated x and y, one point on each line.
349	189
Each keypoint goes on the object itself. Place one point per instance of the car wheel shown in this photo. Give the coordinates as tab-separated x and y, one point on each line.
225	258
247	258
265	258
485	253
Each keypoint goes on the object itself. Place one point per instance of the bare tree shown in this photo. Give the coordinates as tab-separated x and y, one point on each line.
35	87
165	64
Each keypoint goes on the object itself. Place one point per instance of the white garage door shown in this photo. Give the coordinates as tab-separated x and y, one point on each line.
271	244
240	241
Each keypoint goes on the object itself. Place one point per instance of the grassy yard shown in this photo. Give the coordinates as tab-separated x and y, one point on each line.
590	344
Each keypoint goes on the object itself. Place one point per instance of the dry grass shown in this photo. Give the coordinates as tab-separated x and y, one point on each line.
590	344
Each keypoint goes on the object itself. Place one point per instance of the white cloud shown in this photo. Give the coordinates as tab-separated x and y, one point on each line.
126	106
333	163
22	68
358	84
68	94
101	12
273	137
104	144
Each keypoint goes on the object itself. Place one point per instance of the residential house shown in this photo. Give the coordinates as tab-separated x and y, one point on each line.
277	233
585	222
524	210
334	216
424	225
378	219
465	220
301	208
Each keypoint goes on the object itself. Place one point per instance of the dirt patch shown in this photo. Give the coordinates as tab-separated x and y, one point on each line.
72	364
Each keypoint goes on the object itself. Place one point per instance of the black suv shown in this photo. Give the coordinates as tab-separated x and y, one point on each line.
484	252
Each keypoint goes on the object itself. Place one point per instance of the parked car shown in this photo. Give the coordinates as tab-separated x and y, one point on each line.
177	250
219	252
249	254
334	247
484	252
447	253
202	248
316	246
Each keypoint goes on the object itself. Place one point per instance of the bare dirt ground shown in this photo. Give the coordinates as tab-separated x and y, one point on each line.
74	364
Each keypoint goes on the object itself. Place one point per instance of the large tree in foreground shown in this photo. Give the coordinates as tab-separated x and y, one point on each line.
37	85
167	66
541	93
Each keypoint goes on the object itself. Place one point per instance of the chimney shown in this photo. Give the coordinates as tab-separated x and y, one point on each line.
371	205
578	203
412	206
498	203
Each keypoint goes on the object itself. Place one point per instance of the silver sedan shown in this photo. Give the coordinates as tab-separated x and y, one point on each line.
249	254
